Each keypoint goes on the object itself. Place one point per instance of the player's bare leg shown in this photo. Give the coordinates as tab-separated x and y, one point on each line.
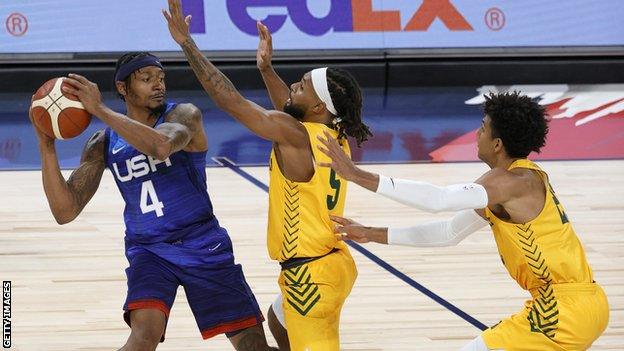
279	332
251	339
148	326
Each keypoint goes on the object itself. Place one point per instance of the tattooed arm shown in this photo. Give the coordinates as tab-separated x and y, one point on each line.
183	123
272	125
158	142
68	198
184	130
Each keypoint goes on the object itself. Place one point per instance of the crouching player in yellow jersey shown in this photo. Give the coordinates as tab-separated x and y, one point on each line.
535	237
318	271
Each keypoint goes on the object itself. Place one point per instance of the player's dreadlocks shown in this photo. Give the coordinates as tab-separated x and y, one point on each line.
347	98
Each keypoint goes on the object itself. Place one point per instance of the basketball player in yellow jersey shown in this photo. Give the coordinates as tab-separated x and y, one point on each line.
317	269
534	235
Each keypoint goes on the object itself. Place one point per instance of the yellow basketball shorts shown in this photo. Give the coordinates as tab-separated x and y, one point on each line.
313	295
561	317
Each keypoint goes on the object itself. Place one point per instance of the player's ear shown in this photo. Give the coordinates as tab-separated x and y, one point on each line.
318	107
498	144
121	88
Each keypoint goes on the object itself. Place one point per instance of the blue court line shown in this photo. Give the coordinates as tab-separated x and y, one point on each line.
225	162
385	265
414	284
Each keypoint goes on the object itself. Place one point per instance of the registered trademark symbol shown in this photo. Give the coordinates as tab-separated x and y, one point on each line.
16	24
495	19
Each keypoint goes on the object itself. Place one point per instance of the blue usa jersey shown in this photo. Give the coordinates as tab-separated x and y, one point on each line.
167	200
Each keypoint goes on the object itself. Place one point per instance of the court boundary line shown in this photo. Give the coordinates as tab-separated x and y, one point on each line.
225	162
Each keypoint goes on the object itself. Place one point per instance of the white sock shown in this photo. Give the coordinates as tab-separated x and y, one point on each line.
477	344
278	309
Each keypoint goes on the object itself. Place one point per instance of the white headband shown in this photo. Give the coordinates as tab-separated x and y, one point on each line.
319	82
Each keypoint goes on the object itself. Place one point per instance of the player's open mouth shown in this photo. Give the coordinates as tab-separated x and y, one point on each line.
158	97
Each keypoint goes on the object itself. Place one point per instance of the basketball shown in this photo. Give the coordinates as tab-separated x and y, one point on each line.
56	113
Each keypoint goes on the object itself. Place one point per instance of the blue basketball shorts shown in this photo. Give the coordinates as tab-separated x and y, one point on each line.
215	286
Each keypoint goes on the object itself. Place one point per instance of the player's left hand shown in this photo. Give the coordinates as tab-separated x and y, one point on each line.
341	163
264	53
178	24
87	92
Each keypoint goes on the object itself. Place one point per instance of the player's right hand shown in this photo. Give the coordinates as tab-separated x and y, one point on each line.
348	229
265	47
43	137
87	92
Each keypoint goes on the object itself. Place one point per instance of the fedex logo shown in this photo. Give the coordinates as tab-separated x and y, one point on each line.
344	16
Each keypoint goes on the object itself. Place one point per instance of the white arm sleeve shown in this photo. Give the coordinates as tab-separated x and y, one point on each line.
432	198
439	233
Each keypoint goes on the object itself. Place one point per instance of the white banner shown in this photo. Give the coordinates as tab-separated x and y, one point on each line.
42	26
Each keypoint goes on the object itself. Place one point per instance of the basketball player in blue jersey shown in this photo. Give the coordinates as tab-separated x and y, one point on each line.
157	154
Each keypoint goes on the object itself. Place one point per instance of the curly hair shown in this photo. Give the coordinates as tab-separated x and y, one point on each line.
122	61
347	98
518	121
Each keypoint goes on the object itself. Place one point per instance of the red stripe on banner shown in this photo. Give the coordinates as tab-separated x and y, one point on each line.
602	138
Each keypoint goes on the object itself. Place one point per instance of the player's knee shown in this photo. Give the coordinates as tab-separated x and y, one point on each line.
147	329
145	338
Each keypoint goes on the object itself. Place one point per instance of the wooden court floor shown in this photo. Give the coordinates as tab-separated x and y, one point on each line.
69	282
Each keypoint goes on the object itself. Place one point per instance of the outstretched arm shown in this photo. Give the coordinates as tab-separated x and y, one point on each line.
437	233
278	90
159	142
421	195
344	166
272	125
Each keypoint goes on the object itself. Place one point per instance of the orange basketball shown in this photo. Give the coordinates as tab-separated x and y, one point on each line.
56	113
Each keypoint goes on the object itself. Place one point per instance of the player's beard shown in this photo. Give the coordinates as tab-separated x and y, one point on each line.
297	112
158	110
154	111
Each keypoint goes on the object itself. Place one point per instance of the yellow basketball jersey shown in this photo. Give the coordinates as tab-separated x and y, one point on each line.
299	223
545	250
568	311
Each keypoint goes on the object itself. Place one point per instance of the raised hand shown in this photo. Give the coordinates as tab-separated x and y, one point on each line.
88	92
265	47
178	25
341	163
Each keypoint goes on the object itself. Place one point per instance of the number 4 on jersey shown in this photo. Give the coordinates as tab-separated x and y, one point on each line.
148	193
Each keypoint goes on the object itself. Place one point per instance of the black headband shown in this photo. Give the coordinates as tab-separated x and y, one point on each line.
127	68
